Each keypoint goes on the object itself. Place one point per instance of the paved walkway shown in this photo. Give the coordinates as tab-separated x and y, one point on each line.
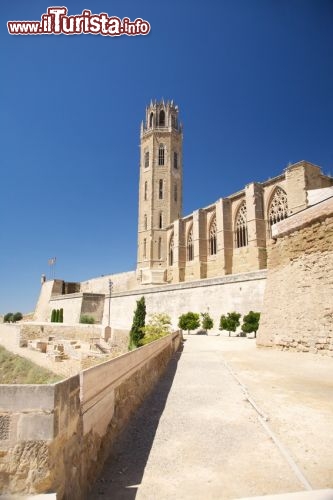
199	437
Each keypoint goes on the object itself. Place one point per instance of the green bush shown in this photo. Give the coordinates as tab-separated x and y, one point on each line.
88	320
8	318
157	327
230	322
207	322
139	318
189	321
17	316
61	316
53	316
251	323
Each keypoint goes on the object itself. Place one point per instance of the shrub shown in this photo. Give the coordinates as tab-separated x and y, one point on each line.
189	321
136	333
8	318
230	322
88	320
207	322
17	316
61	316
251	323
53	316
157	327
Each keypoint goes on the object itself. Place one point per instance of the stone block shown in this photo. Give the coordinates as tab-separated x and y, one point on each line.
35	427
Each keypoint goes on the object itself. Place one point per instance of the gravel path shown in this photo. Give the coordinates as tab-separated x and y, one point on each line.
198	436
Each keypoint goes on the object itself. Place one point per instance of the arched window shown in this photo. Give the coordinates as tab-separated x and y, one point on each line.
171	245
162	119
146	159
212	237
175	192
160	220
160	189
146	191
190	245
151	120
144	248
159	250
161	154
278	207
145	221
173	121
241	237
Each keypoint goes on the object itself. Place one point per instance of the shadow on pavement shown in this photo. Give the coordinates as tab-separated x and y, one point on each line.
123	470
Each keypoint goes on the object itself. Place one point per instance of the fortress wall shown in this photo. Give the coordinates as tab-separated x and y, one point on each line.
56	437
241	293
298	302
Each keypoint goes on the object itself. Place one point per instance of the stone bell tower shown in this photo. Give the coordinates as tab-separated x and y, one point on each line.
160	188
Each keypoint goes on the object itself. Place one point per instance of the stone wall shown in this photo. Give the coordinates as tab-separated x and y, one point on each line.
30	331
298	301
55	438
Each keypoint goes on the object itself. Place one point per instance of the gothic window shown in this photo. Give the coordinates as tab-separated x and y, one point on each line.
190	245
160	189
175	192
145	248
175	160
241	236
212	237
161	154
145	221
171	245
146	191
278	208
160	220
173	121
162	119
151	120
146	159
159	248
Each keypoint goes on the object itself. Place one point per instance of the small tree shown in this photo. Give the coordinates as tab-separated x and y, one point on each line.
8	318
17	317
189	321
53	316
158	326
57	316
207	322
136	333
230	322
61	316
251	323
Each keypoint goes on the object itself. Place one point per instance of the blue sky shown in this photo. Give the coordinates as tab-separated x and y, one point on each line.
254	83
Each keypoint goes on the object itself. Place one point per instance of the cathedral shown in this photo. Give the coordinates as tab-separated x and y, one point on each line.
227	237
215	255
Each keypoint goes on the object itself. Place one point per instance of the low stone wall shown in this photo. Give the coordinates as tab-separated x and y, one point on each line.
57	437
31	331
298	302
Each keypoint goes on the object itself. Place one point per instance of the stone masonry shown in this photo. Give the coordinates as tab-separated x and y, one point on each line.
298	300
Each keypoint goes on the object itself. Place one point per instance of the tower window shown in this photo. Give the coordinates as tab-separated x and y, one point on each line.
175	192
146	191
161	151
160	220
144	248
171	245
241	236
212	237
175	160
145	221
160	189
162	119
159	248
146	159
151	120
173	121
278	208
190	245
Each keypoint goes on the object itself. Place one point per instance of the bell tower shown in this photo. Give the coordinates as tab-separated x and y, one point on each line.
160	188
